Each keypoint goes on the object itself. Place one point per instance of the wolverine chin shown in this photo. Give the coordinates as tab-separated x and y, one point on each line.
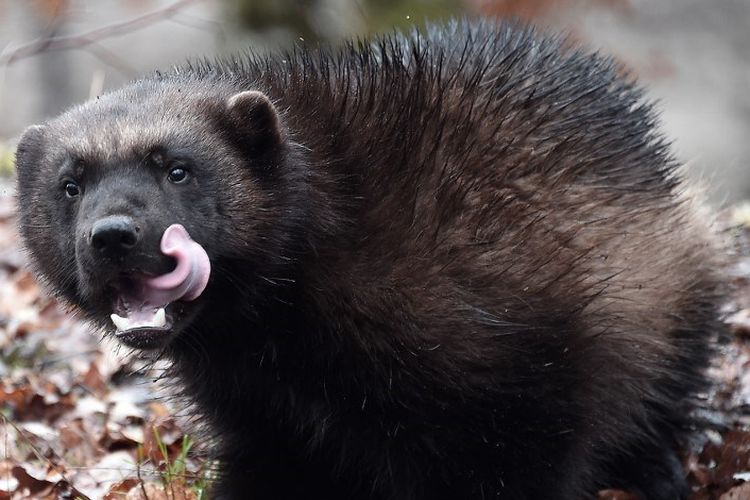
145	338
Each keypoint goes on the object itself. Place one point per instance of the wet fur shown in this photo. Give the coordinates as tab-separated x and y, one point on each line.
465	268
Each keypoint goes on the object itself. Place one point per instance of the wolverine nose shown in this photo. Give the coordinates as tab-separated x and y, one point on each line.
116	234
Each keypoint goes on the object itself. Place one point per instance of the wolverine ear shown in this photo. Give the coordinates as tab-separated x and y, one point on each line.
256	119
29	146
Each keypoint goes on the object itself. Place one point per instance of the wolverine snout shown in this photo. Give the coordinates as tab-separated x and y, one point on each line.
114	235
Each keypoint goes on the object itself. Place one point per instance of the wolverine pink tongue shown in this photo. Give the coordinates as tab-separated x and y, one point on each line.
189	278
145	308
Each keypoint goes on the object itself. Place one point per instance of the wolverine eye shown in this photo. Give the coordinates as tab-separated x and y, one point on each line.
71	189
177	175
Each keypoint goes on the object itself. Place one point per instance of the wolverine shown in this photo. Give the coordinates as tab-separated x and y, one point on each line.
459	263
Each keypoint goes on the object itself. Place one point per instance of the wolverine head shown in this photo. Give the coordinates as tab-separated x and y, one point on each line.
129	203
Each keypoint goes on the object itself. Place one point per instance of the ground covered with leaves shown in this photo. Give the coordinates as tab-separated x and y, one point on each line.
81	420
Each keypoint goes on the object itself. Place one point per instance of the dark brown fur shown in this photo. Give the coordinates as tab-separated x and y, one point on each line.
458	265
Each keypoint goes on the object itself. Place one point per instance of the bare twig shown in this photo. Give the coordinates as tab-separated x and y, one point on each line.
138	473
211	26
53	43
111	59
39	455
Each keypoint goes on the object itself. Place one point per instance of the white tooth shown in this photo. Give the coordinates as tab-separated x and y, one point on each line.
160	318
121	323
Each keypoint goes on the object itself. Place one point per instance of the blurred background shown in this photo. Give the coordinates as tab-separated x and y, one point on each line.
693	56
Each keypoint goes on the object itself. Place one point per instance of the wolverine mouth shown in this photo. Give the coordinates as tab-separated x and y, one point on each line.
141	325
145	307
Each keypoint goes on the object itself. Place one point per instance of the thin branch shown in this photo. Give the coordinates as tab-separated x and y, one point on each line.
214	27
111	59
39	455
47	44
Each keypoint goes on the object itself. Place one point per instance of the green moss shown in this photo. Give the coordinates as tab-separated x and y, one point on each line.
7	159
379	16
384	15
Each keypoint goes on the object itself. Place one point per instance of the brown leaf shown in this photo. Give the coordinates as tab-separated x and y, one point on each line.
63	490
741	492
726	458
168	433
114	439
121	488
27	481
158	410
93	381
70	434
174	491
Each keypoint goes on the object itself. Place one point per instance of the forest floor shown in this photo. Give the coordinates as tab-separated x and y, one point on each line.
80	419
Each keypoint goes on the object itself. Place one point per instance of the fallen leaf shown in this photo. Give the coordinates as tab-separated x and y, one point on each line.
741	492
